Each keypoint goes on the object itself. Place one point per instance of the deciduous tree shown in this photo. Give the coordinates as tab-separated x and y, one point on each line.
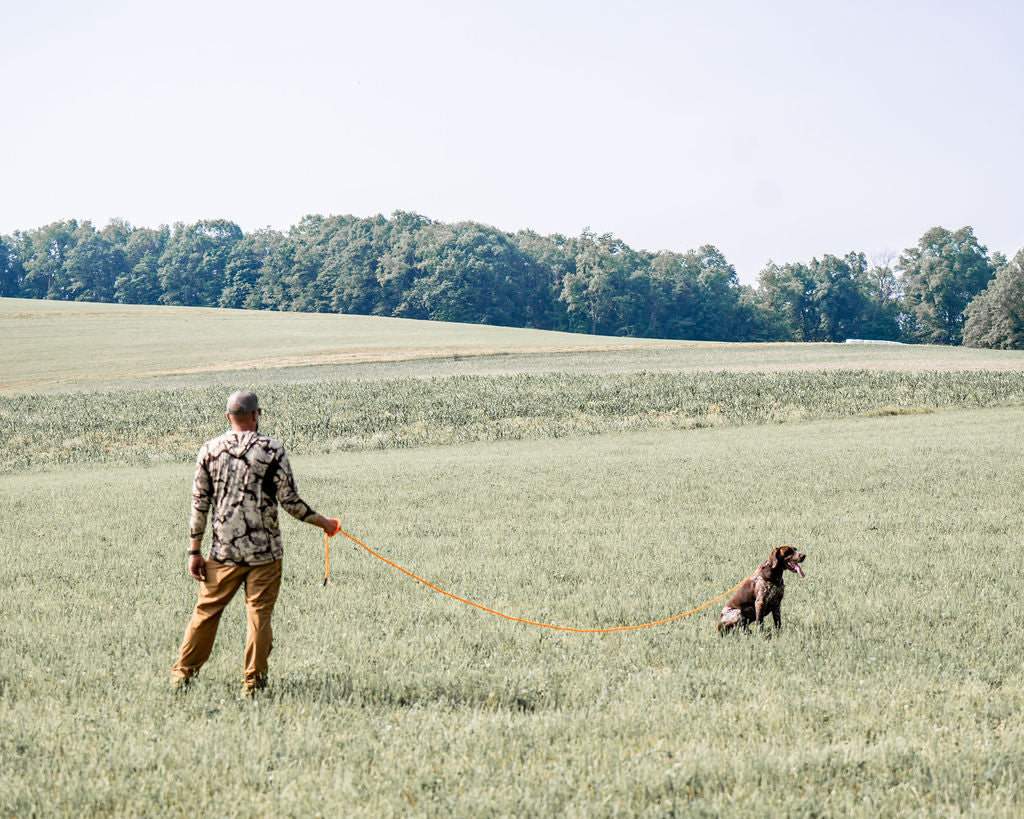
941	276
90	266
139	279
996	316
10	283
194	262
601	294
788	293
44	252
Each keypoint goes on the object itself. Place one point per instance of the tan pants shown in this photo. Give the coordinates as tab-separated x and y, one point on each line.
262	583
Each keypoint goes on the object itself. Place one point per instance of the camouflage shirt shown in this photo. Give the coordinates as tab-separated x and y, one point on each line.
243	476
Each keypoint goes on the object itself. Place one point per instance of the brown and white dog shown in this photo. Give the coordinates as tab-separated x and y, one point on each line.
762	592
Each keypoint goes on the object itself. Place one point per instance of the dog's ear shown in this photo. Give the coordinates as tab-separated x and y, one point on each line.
773	561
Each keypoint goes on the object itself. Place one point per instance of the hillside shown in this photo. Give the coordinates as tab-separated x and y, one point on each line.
55	346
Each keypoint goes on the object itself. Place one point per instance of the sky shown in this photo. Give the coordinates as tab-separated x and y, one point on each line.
776	131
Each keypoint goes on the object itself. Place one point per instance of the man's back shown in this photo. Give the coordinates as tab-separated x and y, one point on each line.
242	476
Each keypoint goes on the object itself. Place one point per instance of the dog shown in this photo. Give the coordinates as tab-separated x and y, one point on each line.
762	592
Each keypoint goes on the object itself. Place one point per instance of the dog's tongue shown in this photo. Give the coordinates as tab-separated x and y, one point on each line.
795	567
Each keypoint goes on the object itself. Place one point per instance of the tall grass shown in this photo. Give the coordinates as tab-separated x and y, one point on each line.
894	688
142	426
583	491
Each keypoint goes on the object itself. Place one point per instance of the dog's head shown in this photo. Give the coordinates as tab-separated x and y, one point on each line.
788	558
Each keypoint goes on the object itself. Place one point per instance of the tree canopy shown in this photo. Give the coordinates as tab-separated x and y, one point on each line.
945	289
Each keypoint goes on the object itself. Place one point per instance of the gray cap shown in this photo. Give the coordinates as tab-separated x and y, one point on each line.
243	401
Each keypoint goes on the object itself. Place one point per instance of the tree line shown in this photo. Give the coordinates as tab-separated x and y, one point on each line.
946	289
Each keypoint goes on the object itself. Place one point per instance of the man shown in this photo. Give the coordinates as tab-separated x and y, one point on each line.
242	476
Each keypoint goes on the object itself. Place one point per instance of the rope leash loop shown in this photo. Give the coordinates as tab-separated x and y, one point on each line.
327	547
521	619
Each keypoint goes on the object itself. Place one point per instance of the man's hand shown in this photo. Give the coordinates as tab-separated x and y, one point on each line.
197	567
330	526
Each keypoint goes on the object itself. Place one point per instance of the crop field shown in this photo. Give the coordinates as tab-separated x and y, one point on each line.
581	486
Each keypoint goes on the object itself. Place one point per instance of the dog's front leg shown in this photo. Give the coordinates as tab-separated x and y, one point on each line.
777	617
759	608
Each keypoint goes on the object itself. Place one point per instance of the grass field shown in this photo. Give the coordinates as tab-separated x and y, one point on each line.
95	345
58	346
894	688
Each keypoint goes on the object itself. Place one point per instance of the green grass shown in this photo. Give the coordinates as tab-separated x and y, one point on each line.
143	426
553	477
894	688
53	347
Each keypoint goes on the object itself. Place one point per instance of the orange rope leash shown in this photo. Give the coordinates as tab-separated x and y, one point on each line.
339	530
327	556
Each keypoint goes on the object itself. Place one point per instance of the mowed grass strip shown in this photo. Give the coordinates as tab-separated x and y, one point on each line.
144	426
894	688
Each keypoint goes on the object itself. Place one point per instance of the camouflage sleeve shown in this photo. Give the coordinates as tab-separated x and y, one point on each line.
202	494
287	494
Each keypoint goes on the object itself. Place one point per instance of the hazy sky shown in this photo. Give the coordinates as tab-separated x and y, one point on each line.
773	130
